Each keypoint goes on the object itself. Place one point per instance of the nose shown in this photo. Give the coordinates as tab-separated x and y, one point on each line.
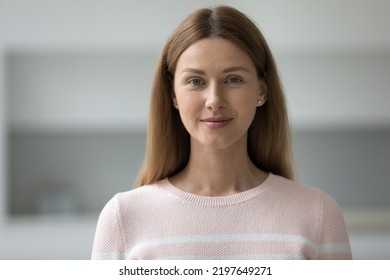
215	99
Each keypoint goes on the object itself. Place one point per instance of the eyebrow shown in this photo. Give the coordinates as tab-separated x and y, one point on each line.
227	70
235	68
193	70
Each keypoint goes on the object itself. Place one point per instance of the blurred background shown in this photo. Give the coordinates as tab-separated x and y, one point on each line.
75	77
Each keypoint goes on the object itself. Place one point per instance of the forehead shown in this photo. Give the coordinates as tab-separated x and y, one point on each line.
215	53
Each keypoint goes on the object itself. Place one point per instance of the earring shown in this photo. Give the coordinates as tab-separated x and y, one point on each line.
259	103
177	106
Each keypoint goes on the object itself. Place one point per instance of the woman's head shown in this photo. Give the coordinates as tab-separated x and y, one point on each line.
168	145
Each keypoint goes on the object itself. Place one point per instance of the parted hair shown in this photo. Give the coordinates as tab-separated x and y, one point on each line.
168	142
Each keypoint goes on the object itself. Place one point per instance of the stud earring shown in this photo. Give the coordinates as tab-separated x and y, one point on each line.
259	103
177	106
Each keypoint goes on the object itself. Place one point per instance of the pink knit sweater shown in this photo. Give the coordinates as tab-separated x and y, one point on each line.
278	219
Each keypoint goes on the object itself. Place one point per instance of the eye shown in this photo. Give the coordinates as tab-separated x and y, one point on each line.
196	82
234	80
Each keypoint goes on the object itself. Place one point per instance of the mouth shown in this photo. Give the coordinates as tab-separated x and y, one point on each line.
216	122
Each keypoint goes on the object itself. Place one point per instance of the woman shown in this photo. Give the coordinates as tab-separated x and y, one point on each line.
217	179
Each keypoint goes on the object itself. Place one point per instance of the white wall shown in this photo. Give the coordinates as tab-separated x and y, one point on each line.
3	150
334	59
299	24
337	89
79	90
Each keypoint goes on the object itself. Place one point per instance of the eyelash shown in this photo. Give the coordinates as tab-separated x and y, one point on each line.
237	80
190	82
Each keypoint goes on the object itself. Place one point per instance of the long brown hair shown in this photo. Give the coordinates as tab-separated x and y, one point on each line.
168	142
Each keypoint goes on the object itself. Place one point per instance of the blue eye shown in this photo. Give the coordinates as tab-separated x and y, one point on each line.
234	80
196	82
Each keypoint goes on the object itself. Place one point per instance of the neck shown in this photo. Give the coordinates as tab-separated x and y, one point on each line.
217	172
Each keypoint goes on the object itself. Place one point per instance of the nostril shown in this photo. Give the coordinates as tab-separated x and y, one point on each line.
216	107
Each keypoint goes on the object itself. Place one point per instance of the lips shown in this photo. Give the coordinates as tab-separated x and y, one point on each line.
216	122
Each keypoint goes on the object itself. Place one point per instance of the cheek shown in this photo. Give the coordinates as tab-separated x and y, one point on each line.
189	109
246	108
245	102
188	103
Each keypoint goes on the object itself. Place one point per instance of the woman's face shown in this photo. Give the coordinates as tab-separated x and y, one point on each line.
217	90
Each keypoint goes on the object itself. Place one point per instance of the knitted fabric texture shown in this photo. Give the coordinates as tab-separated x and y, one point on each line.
279	219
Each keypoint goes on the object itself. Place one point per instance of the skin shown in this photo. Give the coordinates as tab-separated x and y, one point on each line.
217	91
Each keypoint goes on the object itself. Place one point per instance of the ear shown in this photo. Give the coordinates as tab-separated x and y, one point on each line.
174	103
263	91
174	100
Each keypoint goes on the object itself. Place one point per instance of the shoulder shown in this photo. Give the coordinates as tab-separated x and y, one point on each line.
138	195
284	185
136	199
310	203
314	211
302	194
138	192
117	221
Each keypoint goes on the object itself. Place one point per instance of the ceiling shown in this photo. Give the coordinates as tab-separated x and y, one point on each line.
300	25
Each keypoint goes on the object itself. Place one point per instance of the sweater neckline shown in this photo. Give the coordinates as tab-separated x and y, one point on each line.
215	201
